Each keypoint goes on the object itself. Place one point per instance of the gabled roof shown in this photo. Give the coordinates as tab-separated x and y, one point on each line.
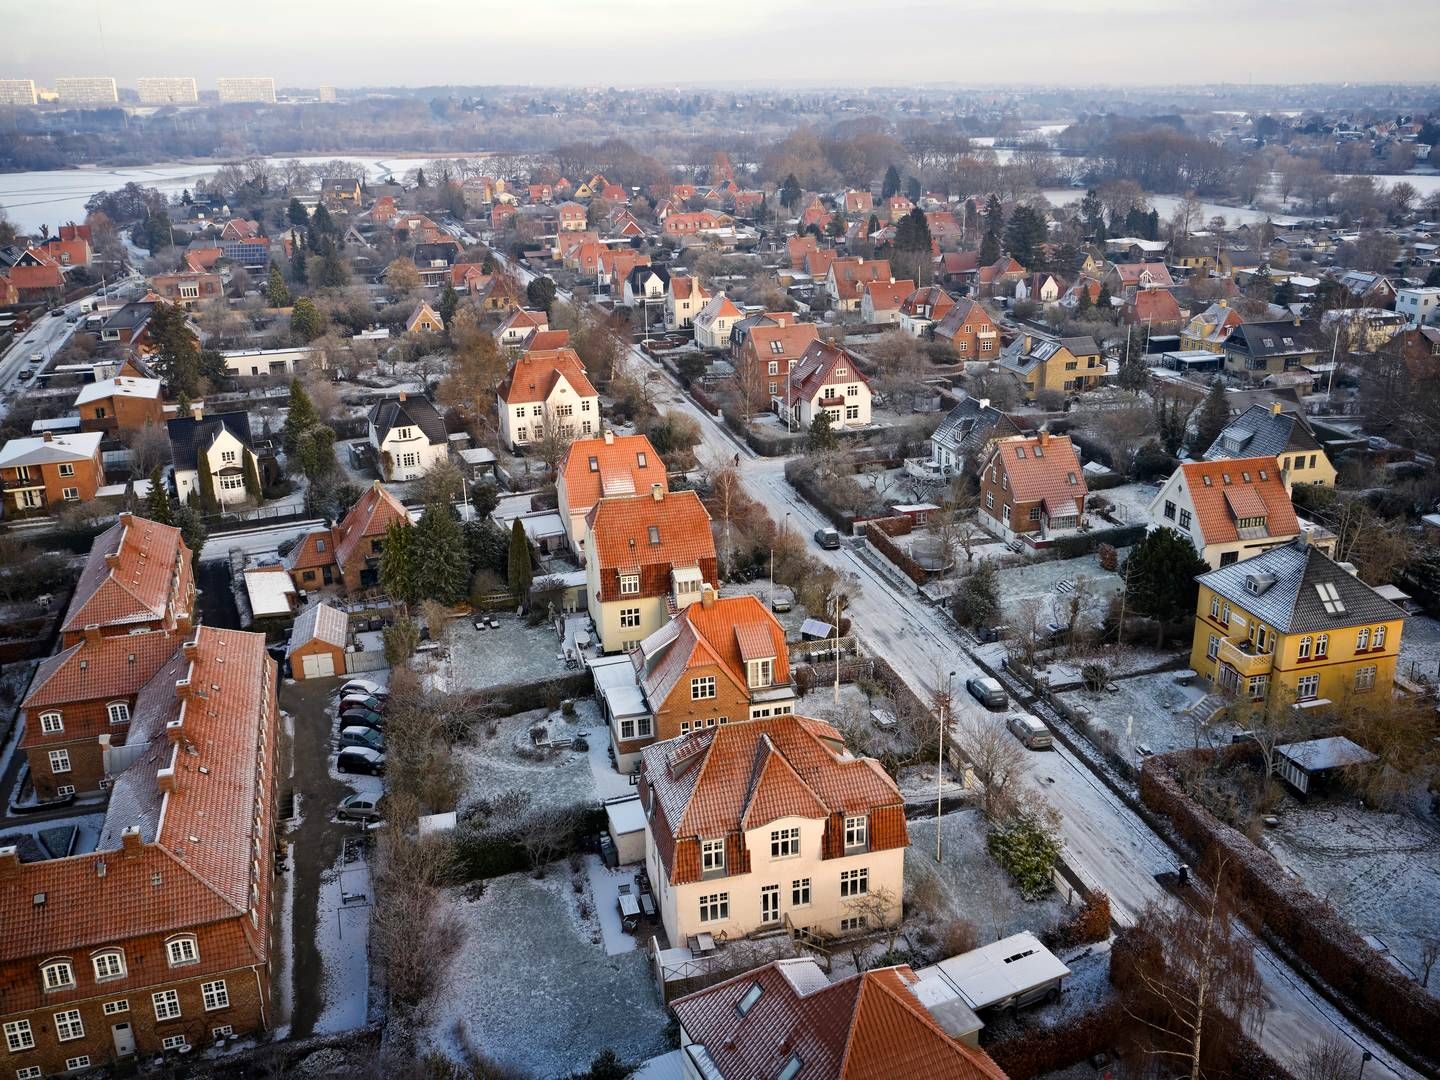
1152	273
816	368
851	274
1262	432
718	306
622	531
120	386
726	632
532	378
1302	590
610	465
189	436
129	575
1249	487
314	550
1266	339
782	342
408	411
888	295
319	622
98	668
868	1026
56	450
965	312
970	425
371	516
1043	476
1154	306
933	298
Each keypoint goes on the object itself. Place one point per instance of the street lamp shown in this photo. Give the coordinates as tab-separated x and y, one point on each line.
940	758
1365	1055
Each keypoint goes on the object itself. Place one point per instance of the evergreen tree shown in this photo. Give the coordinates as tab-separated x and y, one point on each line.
398	558
1214	414
1024	234
177	358
306	322
540	293
192	530
913	233
977	599
185	199
420	180
995	216
1083	304
157	501
821	436
321	223
315	453
1102	302
487	264
1160	577
300	416
518	567
873	225
1092	211
443	573
297	265
837	225
912	189
488	547
296	214
989	248
891	184
333	272
275	291
790	192
449	301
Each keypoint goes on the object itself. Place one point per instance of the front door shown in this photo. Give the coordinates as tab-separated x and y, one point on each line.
124	1037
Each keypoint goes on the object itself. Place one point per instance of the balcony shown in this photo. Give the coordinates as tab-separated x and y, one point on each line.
1244	658
21	484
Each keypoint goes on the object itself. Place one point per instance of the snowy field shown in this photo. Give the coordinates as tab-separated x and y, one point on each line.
1420	649
515	653
530	986
343	930
1130	502
1150	710
971	885
1380	871
1045	580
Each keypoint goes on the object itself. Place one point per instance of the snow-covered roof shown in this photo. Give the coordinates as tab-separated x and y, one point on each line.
616	681
999	970
320	622
270	590
120	386
51	451
1318	755
625	816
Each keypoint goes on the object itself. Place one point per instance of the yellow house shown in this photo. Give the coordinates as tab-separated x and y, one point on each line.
1273	432
1292	625
1199	262
1066	365
1208	330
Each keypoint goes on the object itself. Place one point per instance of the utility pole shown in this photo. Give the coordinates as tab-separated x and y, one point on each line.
940	759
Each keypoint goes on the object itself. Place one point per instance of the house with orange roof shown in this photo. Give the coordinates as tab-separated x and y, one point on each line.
827	378
788	1015
240	229
616	264
689	226
546	391
347	555
1032	487
958	268
880	301
468	277
946	232
816	215
201	259
818	262
609	466
158	942
859	202
1230	509
32	274
896	207
500	213
73	250
846	279
546	341
969	330
1153	308
923	308
648	555
518	326
797	247
1209	330
685	296
137	579
714	322
768	823
570	217
1127	278
622	224
187	289
1000	277
768	355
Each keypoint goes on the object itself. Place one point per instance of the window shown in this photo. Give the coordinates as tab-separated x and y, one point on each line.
1307	687
215	994
1034	513
1362	639
114	1008
1365	678
852	412
167	1005
715	907
68	1025
1330	597
751	996
854	882
712	855
1259	686
800	892
70	494
652	534
1305	644
50	723
228	457
630	617
64	791
841	372
236	483
174	1042
635	728
761	672
118	712
108	965
856	922
784	843
1377	639
1213	649
59	761
67	469
774	368
182	950
641	461
221	1032
29	1072
1322	646
856	832
629	584
537	410
1185	519
770	904
1169	510
18	1036
792	1068
1215	607
702	688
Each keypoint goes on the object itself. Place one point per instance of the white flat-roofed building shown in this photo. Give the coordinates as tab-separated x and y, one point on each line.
87	90
17	92
1014	971
327	94
247	88
167	90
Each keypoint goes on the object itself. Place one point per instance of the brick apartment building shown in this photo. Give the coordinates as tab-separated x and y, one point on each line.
50	470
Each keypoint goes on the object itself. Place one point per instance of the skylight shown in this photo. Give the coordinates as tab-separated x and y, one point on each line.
747	1002
792	1068
1330	598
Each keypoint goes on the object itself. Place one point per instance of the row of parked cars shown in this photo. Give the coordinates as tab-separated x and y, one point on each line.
361	715
1030	730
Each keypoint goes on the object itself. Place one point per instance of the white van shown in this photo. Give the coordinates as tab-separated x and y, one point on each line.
1030	731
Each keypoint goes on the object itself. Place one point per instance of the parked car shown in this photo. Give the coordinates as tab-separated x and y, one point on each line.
1030	731
1055	634
361	759
357	701
828	538
359	807
26	375
357	735
362	718
988	634
364	686
987	691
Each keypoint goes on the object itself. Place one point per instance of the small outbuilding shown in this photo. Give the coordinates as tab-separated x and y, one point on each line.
317	643
1315	763
625	821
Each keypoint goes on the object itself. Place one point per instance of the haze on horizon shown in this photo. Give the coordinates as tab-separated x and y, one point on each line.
306	43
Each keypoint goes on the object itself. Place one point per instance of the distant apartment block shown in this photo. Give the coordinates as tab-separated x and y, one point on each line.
167	90
17	92
327	93
249	88
87	91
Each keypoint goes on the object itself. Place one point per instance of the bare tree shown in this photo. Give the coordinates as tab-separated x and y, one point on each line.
1429	954
1027	619
546	831
149	447
1333	1058
996	756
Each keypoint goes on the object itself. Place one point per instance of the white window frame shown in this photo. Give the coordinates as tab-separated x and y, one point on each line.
629	617
785	843
1310	683
67	468
167	1005
1377	639
183	950
118	712
51	723
800	893
19	1036
769	904
1362	639
29	1072
215	995
76	1063
1365	678
857	832
855	882
115	1008
57	975
702	688
59	761
100	962
175	1042
715	907
629	584
69	1026
712	856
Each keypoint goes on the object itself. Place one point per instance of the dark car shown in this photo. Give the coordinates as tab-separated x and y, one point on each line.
362	718
371	703
361	759
828	539
355	735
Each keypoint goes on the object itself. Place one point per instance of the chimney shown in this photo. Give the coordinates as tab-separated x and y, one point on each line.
48	437
1222	303
191	648
175	730
1276	408
165	780
1043	436
984	403
609	437
103	739
92	631
130	842
402	395
1027	343
657	492
197	410
707	595
9	862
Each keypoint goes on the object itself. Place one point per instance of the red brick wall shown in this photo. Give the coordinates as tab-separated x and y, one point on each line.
729	701
84	721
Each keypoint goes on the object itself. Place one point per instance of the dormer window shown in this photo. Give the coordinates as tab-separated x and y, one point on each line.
182	950
51	724
108	965
594	463
857	834
712	856
760	673
58	975
629	584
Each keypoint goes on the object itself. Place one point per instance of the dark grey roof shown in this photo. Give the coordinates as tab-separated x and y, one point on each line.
1280	338
134	314
638	274
1081	346
429	252
969	425
1259	432
188	435
1293	604
1019	358
412	412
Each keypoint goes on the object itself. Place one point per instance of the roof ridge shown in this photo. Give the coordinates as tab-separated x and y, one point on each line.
240	908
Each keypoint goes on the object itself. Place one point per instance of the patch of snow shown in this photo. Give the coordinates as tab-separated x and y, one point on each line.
605	887
343	934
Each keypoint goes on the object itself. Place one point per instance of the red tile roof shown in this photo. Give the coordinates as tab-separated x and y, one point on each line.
534	375
852	274
725	632
370	517
1236	489
931	297
98	669
888	295
1153	306
1039	478
137	572
314	550
622	531
816	369
1157	273
610	465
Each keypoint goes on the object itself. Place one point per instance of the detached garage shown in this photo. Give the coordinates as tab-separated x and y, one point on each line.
317	643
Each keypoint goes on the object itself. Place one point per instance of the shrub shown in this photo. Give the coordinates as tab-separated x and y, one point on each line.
960	936
1090	923
1027	846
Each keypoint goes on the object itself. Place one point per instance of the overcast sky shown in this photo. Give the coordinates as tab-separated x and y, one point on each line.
305	43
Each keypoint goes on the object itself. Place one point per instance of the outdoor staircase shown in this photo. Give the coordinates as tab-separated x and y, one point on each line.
1205	708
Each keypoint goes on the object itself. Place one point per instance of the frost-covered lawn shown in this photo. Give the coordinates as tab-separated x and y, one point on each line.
343	933
1042	580
515	653
1129	501
528	985
1420	648
968	883
1380	871
1150	709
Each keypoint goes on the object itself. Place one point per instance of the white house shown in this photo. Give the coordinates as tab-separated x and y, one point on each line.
220	445
826	379
684	297
259	363
408	436
714	322
547	390
646	284
519	325
1420	306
